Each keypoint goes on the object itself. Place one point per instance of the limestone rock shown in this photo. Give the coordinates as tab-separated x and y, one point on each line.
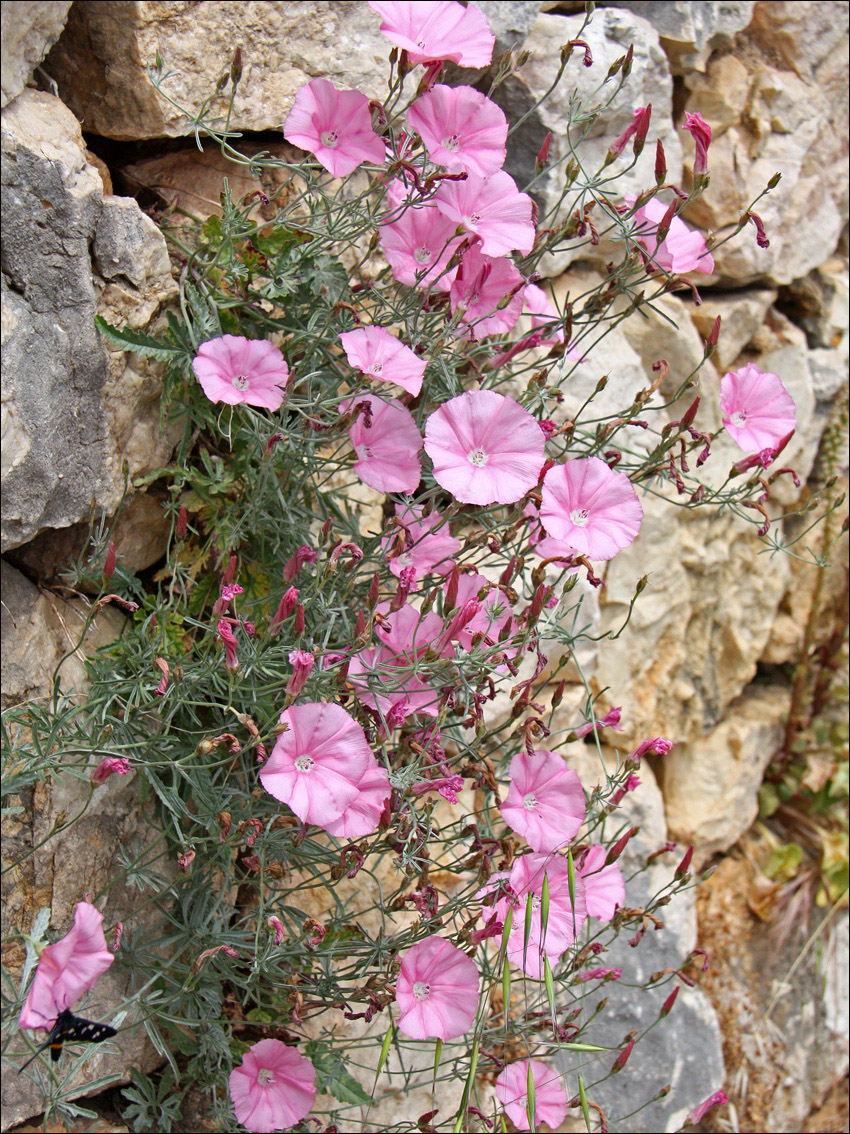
777	119
690	30
73	412
728	765
664	330
29	31
609	36
742	314
100	63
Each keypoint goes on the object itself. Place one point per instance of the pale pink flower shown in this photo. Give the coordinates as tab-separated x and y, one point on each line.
656	745
240	371
387	449
590	507
431	30
493	209
112	765
463	130
274	1088
376	352
551	1100
604	887
384	676
335	126
485	447
436	990
425	549
701	133
545	801
564	924
682	250
363	813
481	285
418	242
610	720
758	412
493	612
316	765
67	969
719	1098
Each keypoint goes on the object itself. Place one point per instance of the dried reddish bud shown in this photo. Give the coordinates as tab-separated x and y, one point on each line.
713	336
119	933
298	621
276	926
125	604
293	565
543	153
225	821
109	565
623	1058
374	591
162	665
230	572
761	235
667	1006
620	845
285	607
660	163
451	589
684	865
182	525
184	862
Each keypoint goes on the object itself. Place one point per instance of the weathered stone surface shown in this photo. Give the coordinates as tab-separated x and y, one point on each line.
609	36
690	30
72	412
728	764
773	120
665	331
742	314
100	63
29	31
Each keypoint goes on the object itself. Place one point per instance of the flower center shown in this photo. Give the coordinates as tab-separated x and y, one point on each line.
579	517
472	220
421	990
329	139
241	381
738	418
477	457
422	255
265	1076
529	802
364	453
305	763
377	367
451	143
420	43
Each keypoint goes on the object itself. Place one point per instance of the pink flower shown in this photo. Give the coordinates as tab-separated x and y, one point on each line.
387	449
603	884
462	129
637	130
589	506
610	720
719	1098
385	677
363	813
564	923
293	565
599	974
657	745
488	292
66	969
231	658
276	926
493	209
425	550
374	351
485	447
436	990
682	250
550	1099
239	371
334	125
545	801
316	765
758	412
274	1088
493	612
701	133
302	663
429	30
418	244
112	765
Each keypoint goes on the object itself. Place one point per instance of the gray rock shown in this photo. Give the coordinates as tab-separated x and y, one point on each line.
72	412
29	31
510	21
691	29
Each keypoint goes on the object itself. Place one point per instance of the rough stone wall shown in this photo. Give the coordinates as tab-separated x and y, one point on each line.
771	78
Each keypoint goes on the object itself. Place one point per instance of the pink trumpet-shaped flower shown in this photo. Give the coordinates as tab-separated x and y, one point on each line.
493	209
590	507
363	813
430	30
637	129
335	126
418	242
274	1088
463	130
425	550
604	887
682	250
240	371
66	969
701	133
485	447
376	352
316	765
112	765
545	801
302	663
488	292
388	448
437	990
758	412
551	1100
719	1098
